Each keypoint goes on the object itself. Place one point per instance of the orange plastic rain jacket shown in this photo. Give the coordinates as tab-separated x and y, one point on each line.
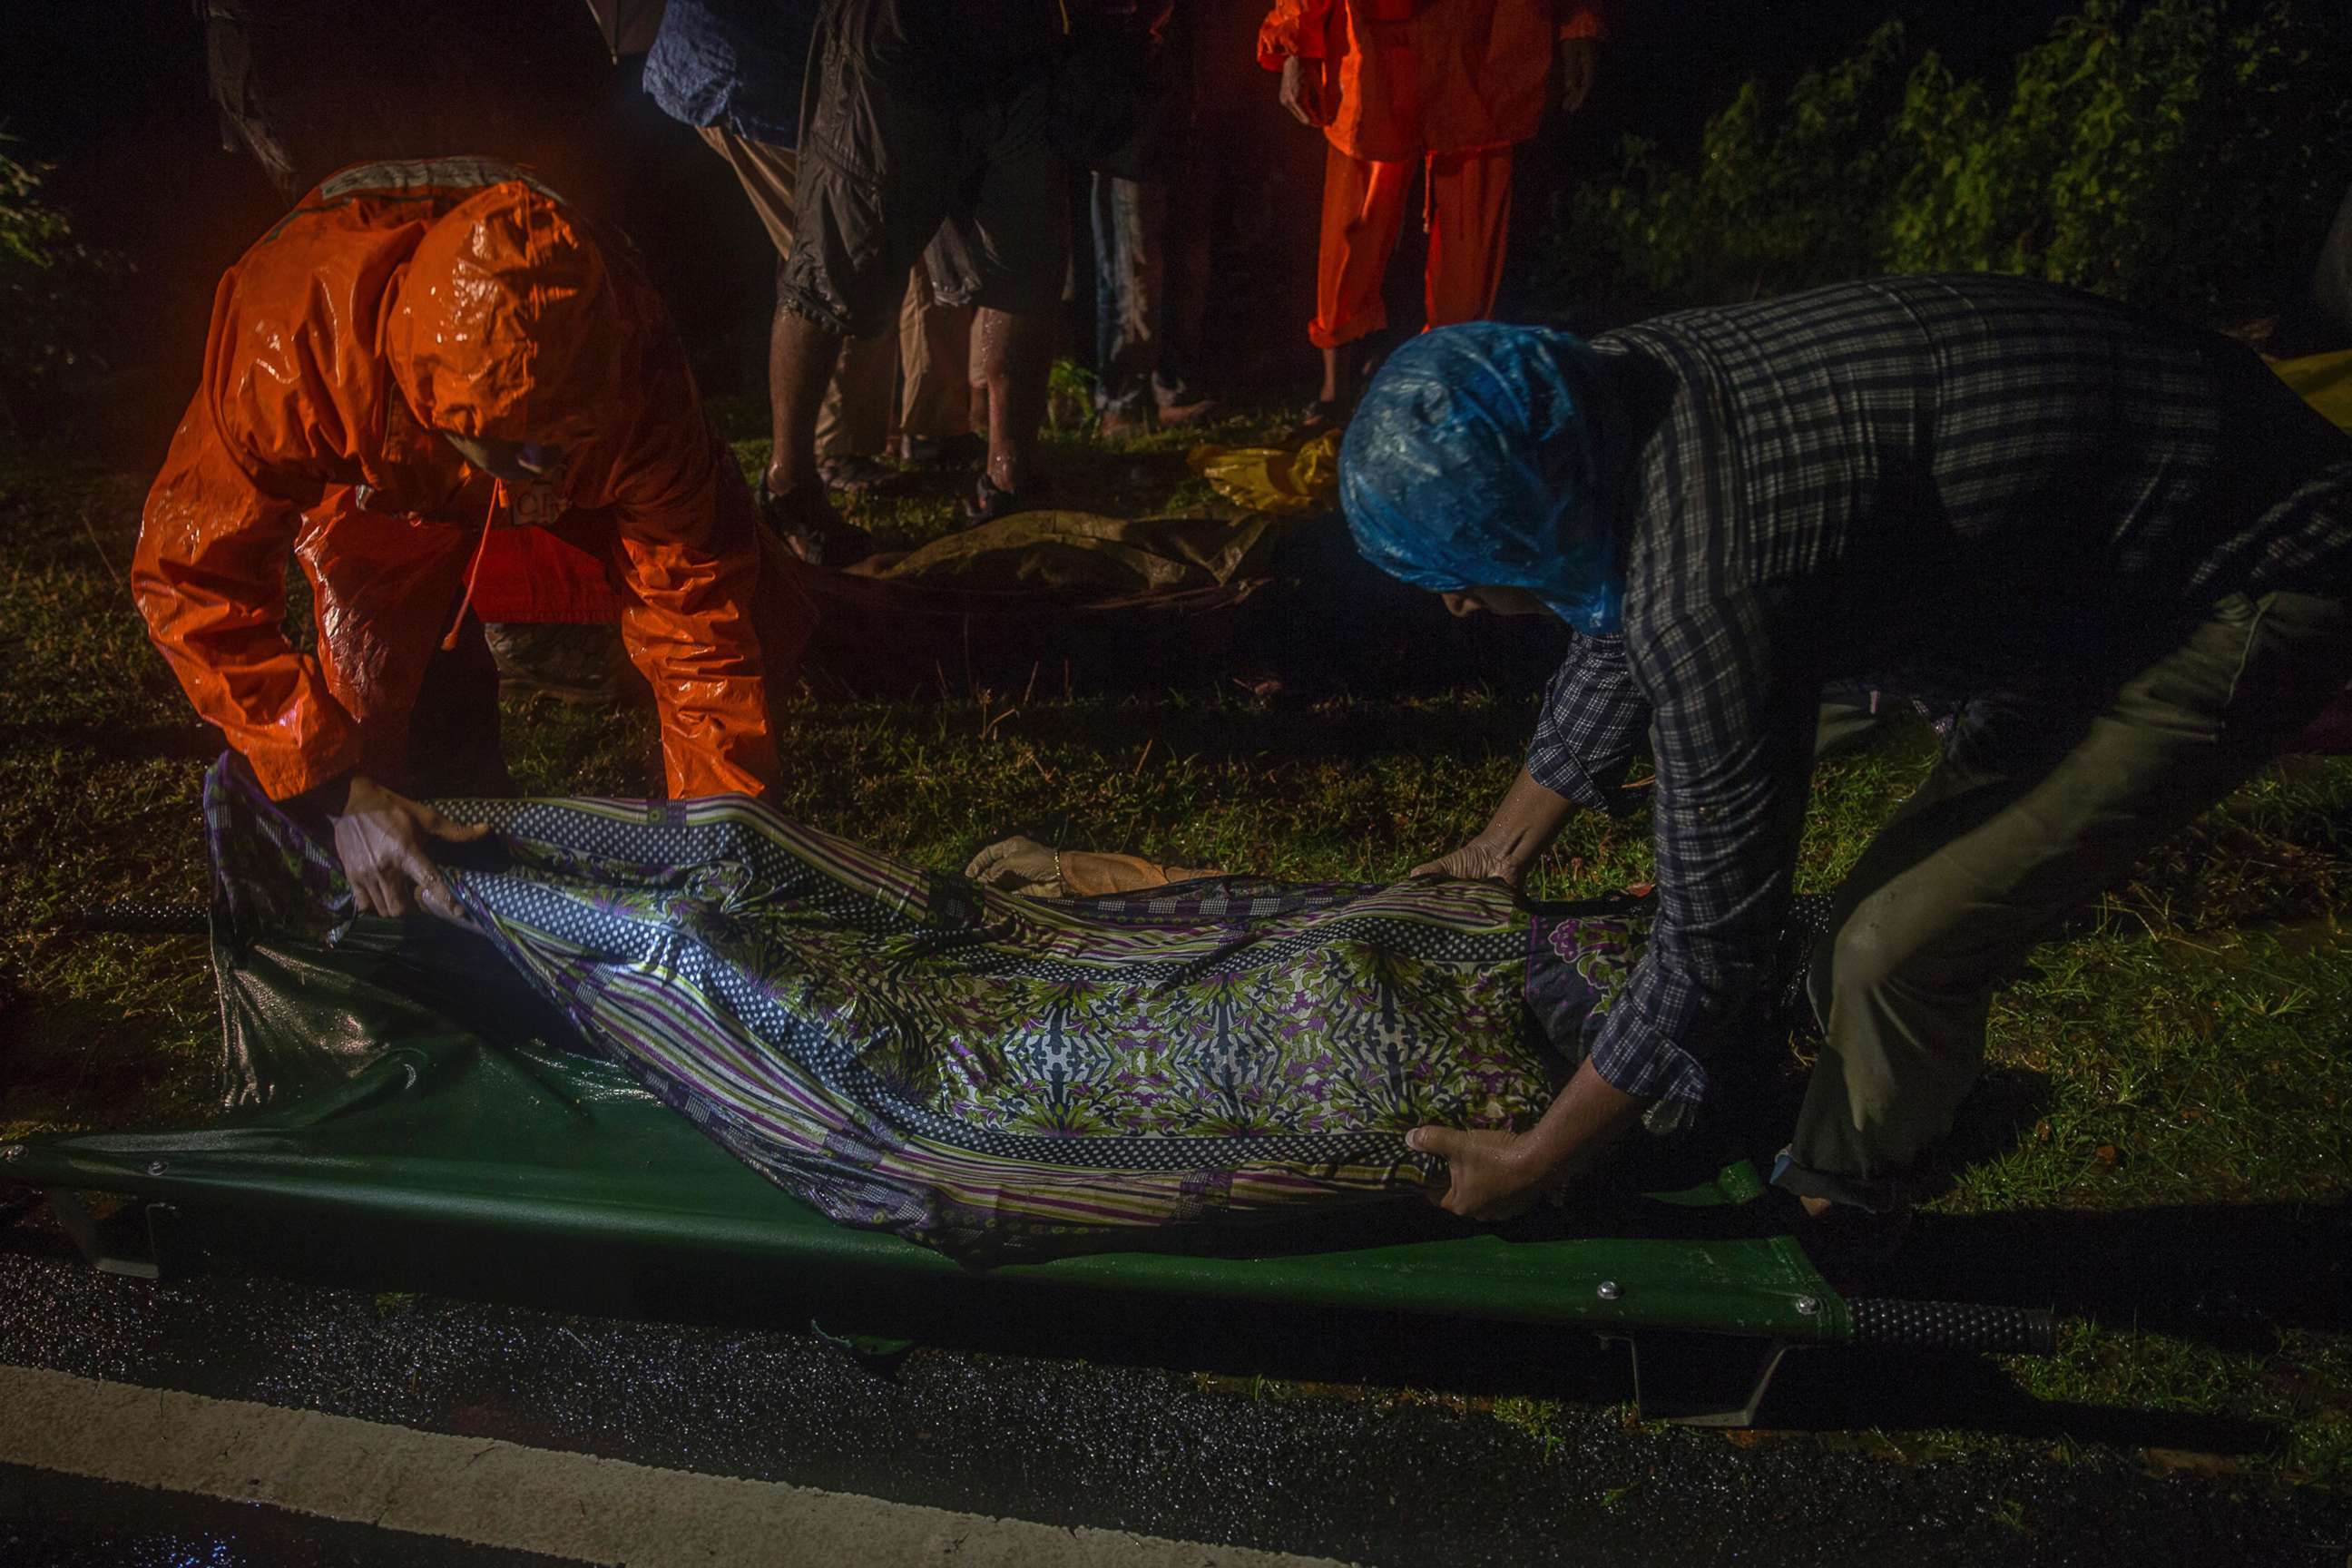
1429	75
458	294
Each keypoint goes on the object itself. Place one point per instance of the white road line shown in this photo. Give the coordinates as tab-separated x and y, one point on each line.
492	1493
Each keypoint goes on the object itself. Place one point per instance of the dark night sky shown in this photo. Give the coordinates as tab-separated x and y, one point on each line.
113	91
84	65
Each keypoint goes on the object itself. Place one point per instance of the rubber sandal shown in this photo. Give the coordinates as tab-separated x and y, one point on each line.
812	530
1320	415
856	476
992	502
967	450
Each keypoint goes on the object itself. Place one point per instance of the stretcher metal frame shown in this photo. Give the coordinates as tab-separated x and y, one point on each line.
1708	1313
394	1103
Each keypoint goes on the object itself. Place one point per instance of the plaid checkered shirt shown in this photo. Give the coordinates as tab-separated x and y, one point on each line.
1938	482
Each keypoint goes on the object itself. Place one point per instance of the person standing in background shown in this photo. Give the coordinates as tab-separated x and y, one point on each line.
1441	88
1149	199
733	69
930	138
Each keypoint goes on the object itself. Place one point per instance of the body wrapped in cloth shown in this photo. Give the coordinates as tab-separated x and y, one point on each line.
997	1076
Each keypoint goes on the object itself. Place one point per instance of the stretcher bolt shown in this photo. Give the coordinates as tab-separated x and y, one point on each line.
1807	1305
154	1167
1609	1290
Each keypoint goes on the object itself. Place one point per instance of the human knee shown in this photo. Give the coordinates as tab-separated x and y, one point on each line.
1872	950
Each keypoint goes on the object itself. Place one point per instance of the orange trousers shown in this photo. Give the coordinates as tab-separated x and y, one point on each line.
1467	211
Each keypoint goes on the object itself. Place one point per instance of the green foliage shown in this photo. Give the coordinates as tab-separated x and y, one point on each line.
1070	395
2179	154
1749	218
2174	156
44	307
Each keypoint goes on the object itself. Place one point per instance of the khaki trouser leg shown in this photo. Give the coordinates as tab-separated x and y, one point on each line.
1975	870
934	363
855	420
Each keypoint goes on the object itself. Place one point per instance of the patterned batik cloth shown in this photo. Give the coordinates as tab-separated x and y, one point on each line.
999	1076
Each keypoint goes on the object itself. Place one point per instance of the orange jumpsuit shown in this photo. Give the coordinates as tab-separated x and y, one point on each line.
1448	84
455	294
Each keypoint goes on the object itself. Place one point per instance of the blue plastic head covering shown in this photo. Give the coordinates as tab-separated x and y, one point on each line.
1483	454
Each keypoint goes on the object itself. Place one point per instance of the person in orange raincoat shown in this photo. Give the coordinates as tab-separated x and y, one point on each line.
1397	87
415	358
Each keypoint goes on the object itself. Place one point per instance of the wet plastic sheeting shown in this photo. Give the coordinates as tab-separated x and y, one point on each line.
412	1079
2324	381
298	1019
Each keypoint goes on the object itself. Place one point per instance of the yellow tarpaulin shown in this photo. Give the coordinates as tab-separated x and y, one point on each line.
1085	549
1286	481
1277	485
2324	381
1080	550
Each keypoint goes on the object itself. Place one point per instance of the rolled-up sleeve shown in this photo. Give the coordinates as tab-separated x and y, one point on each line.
1292	27
1732	733
1591	724
1583	19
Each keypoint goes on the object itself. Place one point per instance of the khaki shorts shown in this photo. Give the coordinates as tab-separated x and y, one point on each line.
768	173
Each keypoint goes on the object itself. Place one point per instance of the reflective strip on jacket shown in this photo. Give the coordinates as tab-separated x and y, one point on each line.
1429	75
395	299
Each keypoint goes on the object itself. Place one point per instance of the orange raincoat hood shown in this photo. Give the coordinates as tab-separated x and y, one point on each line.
504	326
458	294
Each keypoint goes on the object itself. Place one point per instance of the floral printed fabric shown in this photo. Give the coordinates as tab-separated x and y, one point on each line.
999	1076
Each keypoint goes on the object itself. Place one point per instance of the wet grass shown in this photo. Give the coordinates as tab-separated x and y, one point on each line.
2159	1147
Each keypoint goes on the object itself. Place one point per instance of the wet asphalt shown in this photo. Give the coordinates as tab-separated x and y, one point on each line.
1350	1436
49	1520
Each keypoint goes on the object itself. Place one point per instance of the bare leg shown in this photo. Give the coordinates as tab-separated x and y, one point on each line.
1013	357
801	360
1338	375
801	357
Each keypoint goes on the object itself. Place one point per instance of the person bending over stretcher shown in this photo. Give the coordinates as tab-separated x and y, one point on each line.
418	355
1948	484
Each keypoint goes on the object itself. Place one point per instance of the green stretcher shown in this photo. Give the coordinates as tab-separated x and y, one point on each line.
421	1088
